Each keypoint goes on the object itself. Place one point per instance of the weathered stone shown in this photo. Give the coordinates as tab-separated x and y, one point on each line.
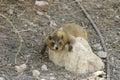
42	79
2	78
44	67
10	11
99	6
97	46
52	78
80	60
35	73
21	0
21	68
102	54
41	3
44	5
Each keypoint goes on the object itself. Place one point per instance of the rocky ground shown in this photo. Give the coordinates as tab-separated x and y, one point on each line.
24	26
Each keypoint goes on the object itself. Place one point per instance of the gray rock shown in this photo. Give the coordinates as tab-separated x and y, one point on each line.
42	79
52	78
10	11
21	0
97	46
35	73
44	67
21	68
117	16
2	78
41	3
102	54
99	5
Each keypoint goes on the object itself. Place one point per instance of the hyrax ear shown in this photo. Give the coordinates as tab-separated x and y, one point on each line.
49	37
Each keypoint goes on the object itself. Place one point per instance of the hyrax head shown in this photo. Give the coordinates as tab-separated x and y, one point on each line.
56	41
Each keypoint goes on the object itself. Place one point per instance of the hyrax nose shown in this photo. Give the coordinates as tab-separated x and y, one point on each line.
56	48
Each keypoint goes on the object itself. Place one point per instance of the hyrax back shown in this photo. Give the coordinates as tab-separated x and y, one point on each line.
62	36
74	30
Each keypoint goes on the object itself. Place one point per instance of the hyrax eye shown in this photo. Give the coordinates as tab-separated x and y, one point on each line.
52	44
60	43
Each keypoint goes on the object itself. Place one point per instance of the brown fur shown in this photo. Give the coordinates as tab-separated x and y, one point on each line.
62	36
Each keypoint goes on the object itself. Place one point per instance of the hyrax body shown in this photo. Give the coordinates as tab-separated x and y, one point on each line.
61	37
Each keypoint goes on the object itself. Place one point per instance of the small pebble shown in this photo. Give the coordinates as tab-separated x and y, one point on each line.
21	0
21	68
63	20
42	79
51	74
52	23
85	79
97	46
67	76
10	11
98	5
44	67
1	78
102	54
52	78
35	73
40	13
41	3
102	79
117	16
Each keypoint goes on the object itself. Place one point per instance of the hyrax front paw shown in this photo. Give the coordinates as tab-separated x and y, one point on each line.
70	47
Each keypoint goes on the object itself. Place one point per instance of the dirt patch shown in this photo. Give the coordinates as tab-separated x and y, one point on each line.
32	24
